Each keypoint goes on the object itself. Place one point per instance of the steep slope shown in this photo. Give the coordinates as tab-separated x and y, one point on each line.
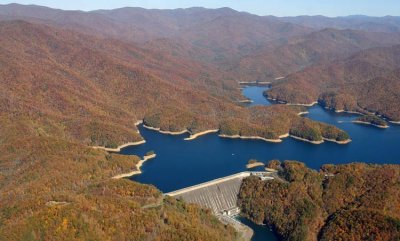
226	32
303	51
55	189
61	92
236	35
344	202
107	85
389	24
90	82
366	81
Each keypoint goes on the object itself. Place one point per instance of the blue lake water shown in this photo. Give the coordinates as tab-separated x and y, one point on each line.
255	93
261	232
181	163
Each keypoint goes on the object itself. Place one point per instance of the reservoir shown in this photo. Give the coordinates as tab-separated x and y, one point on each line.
181	163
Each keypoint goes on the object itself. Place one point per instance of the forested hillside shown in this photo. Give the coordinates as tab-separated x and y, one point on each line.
299	52
95	90
344	202
366	82
55	189
74	80
62	92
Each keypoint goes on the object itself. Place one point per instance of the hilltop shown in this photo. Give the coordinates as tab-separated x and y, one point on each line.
72	80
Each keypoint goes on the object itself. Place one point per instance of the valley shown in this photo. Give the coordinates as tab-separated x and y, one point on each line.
103	111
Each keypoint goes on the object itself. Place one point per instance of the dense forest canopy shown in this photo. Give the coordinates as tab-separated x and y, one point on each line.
344	202
367	82
71	80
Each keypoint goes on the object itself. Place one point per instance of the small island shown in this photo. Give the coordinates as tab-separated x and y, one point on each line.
371	120
252	163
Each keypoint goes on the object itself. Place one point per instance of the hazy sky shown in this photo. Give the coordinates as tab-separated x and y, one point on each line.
260	7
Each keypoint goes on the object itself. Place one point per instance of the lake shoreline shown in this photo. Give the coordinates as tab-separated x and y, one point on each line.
299	104
336	111
128	144
284	136
289	103
368	123
214	158
306	140
245	101
303	113
119	148
275	100
345	111
173	133
194	136
138	167
338	142
255	164
321	141
250	138
255	83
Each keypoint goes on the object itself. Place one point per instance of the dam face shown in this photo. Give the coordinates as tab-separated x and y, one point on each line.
219	195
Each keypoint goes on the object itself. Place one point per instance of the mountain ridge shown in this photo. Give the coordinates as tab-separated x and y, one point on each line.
74	80
341	85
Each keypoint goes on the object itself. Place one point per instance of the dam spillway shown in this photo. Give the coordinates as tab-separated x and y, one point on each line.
219	195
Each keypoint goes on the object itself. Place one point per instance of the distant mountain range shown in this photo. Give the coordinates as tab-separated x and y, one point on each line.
224	36
321	46
389	24
70	80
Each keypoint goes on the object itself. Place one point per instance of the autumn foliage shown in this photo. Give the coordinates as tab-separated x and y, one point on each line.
344	202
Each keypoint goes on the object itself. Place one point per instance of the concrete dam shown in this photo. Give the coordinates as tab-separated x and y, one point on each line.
219	195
